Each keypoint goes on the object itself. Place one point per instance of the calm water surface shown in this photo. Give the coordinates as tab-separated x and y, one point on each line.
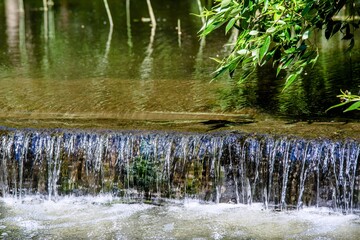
68	62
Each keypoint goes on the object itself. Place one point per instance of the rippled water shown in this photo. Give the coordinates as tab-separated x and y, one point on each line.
105	218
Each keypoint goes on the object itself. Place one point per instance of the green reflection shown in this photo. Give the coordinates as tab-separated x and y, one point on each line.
69	61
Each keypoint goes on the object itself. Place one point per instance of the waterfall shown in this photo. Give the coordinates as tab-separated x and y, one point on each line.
282	172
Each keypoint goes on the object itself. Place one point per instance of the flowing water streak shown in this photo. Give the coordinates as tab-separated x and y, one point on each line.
279	171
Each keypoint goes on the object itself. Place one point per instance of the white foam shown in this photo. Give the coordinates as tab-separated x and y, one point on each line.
107	217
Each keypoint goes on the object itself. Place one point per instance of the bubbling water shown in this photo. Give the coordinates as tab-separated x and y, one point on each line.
106	217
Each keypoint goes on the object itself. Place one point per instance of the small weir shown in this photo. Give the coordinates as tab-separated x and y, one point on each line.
282	172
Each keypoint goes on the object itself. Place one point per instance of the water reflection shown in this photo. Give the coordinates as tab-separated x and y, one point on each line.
12	25
128	24
67	60
335	70
146	66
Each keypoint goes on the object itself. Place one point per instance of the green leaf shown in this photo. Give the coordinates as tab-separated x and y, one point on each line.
220	71
253	32
271	30
288	62
245	75
290	50
280	7
208	29
292	77
337	105
243	52
264	48
233	63
225	3
266	5
230	25
277	16
281	22
306	9
212	24
314	60
305	35
354	106
216	60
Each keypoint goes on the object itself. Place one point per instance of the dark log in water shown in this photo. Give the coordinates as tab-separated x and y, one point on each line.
280	171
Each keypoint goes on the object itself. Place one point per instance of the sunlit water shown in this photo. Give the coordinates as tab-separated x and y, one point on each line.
68	62
106	218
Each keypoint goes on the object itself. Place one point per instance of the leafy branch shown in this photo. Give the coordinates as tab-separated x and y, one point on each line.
347	98
276	32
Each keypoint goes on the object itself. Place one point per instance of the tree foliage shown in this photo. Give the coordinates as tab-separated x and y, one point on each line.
346	99
278	31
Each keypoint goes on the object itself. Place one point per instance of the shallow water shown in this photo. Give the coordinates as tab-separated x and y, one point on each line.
68	63
106	218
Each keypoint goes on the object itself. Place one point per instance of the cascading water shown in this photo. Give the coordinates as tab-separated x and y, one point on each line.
280	171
